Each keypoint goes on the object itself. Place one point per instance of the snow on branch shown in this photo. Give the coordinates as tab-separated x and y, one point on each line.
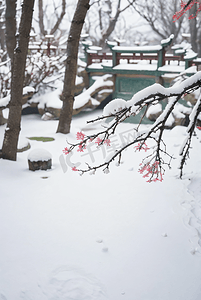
153	166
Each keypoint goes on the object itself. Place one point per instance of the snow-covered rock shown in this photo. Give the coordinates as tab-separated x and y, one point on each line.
51	103
39	159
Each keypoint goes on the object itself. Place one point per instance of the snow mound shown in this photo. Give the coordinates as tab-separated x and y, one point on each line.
39	155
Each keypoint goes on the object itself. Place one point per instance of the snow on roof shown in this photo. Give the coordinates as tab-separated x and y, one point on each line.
86	43
168	39
96	66
107	63
137	49
95	48
172	68
149	67
180	51
91	51
111	43
190	54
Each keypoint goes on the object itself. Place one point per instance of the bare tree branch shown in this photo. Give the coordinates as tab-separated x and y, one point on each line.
112	22
57	24
41	14
159	15
40	17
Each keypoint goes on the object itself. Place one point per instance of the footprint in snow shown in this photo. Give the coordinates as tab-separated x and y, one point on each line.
75	284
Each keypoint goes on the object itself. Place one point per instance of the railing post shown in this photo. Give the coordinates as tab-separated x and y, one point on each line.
86	47
162	51
114	54
160	58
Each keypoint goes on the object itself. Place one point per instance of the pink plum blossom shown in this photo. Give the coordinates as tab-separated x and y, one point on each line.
153	171
80	136
81	148
98	141
107	142
66	151
142	147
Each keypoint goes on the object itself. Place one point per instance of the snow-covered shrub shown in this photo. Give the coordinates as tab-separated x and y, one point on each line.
41	70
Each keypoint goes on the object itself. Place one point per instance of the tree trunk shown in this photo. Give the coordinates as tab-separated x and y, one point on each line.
60	18
9	150
193	28
71	66
40	17
2	119
10	27
111	26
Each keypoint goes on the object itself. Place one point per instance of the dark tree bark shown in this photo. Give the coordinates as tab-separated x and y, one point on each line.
9	150
2	119
193	29
10	27
71	66
2	37
199	42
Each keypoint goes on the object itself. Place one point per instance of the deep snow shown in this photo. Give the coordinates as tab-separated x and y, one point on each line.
114	236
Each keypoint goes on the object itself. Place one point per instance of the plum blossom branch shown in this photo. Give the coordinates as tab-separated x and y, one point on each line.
185	6
184	152
153	166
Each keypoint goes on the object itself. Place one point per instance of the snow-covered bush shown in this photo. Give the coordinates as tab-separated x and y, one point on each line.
41	69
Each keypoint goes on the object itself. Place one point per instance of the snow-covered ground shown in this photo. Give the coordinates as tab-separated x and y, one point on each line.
95	237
